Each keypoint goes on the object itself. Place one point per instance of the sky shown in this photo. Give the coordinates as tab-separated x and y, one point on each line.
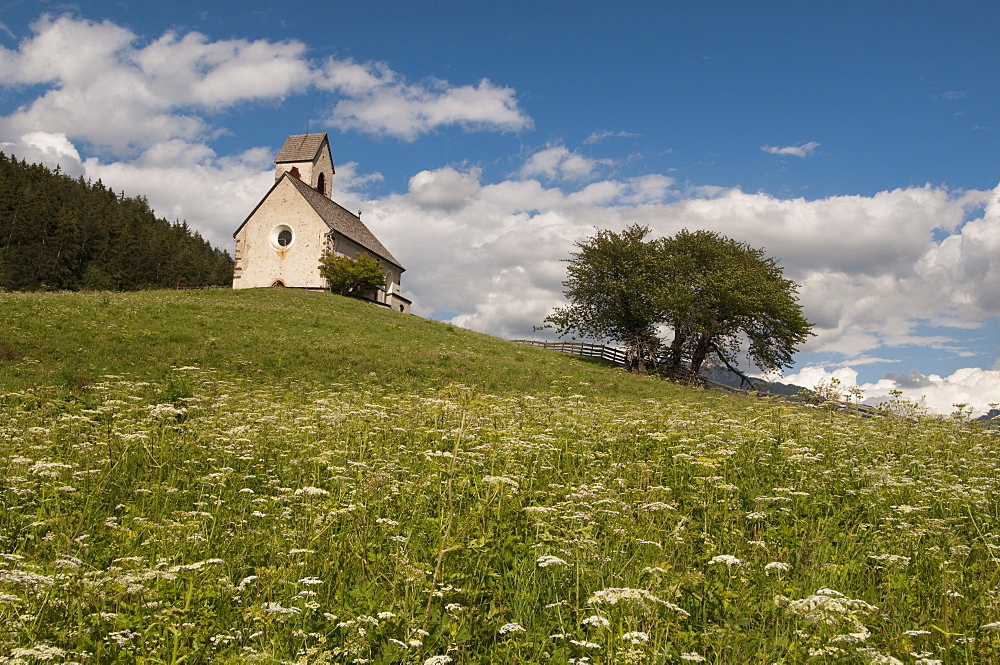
854	142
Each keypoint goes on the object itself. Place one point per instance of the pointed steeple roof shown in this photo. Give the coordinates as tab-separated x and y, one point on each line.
301	148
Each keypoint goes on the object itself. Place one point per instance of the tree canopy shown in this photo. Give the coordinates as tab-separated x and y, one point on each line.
347	276
713	294
57	233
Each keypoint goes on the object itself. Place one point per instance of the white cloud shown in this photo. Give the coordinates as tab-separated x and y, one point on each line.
151	110
124	97
445	188
191	70
218	193
598	137
803	150
379	101
53	150
556	162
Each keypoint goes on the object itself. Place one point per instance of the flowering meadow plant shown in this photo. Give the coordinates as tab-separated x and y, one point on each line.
202	517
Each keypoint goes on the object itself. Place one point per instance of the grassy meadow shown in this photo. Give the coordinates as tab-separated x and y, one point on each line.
284	477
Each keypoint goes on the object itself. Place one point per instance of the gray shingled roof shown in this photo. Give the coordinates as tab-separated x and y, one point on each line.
300	148
342	221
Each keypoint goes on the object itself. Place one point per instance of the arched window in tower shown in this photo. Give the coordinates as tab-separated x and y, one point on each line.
321	184
295	172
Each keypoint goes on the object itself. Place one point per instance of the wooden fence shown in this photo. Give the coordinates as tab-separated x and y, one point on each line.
610	353
617	356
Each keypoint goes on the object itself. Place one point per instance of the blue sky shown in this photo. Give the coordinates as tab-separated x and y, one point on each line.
855	141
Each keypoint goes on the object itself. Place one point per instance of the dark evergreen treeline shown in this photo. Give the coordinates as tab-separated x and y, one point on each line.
61	233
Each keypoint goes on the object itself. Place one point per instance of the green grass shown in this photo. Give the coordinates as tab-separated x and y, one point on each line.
283	477
71	339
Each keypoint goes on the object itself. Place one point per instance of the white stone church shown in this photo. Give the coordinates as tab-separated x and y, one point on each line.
281	242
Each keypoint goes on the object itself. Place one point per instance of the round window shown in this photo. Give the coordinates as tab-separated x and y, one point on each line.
281	237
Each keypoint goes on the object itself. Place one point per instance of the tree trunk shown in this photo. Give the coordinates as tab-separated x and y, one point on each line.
700	353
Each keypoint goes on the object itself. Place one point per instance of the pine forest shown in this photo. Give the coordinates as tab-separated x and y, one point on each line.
60	233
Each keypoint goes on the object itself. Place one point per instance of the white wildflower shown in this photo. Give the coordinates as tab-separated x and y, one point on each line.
727	559
501	480
276	608
40	651
636	637
310	580
547	560
860	635
511	628
826	606
166	411
309	490
892	559
876	658
656	506
776	566
613	596
693	657
595	621
438	660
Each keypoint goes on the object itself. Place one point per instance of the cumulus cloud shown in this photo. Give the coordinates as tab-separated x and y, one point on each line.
379	101
123	97
556	162
803	150
53	150
444	188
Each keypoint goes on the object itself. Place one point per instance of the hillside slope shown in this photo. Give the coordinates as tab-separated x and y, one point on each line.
282	477
73	339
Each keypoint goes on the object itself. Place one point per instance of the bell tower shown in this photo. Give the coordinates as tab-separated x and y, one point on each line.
307	157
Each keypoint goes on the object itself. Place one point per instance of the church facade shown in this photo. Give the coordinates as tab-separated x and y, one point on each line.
280	243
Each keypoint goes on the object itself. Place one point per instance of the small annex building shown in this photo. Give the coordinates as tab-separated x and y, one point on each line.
280	243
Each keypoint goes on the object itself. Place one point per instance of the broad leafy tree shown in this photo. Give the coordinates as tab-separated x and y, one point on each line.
722	294
347	276
715	296
615	287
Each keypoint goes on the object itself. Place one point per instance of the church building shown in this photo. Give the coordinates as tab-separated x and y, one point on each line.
281	242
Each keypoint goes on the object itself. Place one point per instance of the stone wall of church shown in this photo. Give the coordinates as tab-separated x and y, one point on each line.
309	171
282	242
